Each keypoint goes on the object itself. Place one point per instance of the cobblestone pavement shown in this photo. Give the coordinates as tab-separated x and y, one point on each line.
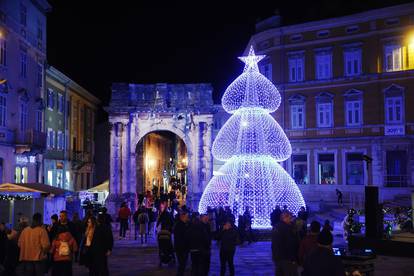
130	258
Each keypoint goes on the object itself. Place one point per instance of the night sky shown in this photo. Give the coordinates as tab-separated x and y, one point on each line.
99	42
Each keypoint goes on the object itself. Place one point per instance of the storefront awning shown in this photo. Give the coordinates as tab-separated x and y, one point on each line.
103	187
31	188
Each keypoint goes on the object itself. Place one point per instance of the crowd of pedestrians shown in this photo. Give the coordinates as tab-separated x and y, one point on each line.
36	249
193	235
184	238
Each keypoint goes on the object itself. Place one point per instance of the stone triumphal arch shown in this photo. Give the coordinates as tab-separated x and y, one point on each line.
135	110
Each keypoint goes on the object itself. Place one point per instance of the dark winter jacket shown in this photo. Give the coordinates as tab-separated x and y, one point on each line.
285	243
229	239
322	262
207	228
180	236
11	259
198	237
102	240
166	220
275	217
3	240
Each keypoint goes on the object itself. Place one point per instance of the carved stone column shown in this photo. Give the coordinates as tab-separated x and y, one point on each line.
125	160
114	169
208	143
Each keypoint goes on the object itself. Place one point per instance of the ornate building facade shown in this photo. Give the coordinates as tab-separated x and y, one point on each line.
136	110
69	123
22	59
347	88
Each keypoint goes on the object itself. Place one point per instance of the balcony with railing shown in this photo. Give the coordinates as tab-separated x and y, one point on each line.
30	140
80	158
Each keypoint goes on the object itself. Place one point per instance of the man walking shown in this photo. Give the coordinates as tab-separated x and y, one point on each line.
198	244
275	216
285	245
65	223
181	242
206	254
123	215
34	245
229	239
339	196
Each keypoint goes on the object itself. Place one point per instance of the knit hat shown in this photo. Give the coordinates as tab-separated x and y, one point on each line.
325	238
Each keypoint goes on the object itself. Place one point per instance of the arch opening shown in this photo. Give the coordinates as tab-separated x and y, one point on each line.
162	166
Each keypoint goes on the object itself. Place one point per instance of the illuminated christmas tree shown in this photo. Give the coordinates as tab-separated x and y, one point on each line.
252	143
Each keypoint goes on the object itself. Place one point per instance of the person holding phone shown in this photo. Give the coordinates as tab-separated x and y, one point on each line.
322	261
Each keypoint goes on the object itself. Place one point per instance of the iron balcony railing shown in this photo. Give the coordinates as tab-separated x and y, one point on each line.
32	138
80	158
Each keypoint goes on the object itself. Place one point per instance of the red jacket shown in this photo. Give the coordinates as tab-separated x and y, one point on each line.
67	237
124	213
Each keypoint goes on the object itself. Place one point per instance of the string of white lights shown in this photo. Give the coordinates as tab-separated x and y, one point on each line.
251	131
252	143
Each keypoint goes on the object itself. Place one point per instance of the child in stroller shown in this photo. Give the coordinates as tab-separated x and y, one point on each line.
165	247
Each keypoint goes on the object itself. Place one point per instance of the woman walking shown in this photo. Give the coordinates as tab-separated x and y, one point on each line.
63	248
97	246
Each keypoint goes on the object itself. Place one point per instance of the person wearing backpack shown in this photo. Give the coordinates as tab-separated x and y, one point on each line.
136	222
63	248
143	220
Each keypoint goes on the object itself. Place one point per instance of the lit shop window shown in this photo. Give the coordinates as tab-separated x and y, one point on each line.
354	169
50	177
20	174
300	168
326	168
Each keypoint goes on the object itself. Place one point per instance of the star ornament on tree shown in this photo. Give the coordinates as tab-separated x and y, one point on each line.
251	60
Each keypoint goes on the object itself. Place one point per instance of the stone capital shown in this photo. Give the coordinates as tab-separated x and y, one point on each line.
122	119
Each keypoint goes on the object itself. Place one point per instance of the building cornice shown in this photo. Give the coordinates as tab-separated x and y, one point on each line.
343	21
72	85
346	20
340	82
42	5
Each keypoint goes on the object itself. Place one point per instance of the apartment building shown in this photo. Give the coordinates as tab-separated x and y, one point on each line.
22	59
347	87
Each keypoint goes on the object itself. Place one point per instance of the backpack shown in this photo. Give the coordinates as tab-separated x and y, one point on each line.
64	249
143	218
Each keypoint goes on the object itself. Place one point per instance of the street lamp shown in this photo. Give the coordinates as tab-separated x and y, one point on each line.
367	159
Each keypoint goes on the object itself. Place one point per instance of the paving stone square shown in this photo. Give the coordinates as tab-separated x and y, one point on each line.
130	258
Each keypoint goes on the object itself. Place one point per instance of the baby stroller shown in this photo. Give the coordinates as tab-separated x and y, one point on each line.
165	247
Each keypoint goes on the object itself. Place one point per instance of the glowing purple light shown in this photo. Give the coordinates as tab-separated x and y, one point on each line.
252	143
